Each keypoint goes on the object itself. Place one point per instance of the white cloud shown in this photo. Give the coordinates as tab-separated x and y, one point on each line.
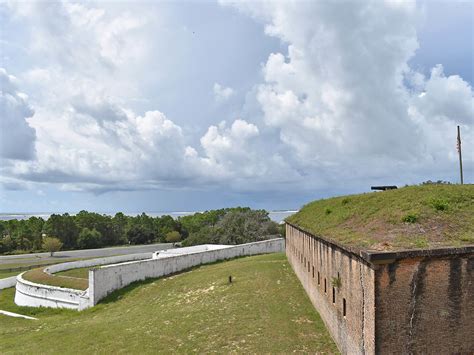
17	137
335	105
222	93
338	98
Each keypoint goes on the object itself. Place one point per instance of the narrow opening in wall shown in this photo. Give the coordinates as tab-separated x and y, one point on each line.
308	266
319	281
333	295
344	307
313	272
325	288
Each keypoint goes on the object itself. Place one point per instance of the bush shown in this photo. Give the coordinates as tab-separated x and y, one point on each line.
328	211
52	245
410	218
173	237
440	205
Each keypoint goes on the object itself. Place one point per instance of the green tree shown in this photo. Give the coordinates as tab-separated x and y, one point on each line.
64	227
173	237
89	239
52	245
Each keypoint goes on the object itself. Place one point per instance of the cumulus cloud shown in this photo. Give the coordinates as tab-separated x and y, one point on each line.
338	104
222	93
338	96
17	137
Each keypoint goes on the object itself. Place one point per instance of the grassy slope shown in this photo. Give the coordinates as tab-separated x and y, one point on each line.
40	277
411	217
265	310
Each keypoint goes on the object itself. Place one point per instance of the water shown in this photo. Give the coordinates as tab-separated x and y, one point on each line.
276	216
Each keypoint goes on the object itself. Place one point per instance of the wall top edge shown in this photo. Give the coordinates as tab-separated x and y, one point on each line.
376	257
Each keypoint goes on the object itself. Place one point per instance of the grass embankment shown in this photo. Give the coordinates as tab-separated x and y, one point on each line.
40	277
265	310
427	216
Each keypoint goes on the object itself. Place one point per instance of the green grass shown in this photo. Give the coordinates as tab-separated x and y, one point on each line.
81	273
265	310
426	216
5	273
40	277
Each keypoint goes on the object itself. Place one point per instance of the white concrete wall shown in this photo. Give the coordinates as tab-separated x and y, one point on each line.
187	250
37	295
7	282
105	280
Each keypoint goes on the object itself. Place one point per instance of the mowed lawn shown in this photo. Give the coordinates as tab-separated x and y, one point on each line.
264	310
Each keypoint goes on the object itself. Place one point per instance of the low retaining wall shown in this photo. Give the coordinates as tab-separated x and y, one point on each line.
7	282
37	295
105	280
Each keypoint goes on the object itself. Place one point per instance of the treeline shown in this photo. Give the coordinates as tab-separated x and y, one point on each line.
93	230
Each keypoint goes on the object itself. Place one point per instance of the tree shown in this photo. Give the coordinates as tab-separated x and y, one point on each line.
173	237
64	227
139	234
89	238
52	244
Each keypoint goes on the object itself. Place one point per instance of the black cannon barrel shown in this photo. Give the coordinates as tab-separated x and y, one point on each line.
383	188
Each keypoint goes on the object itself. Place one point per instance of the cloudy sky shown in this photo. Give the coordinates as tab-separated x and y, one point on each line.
143	106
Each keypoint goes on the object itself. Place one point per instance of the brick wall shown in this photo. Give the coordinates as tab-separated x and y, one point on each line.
406	302
317	263
425	305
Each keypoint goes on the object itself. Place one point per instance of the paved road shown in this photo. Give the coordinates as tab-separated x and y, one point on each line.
86	253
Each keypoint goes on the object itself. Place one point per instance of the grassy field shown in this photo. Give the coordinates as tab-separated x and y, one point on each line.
265	310
426	216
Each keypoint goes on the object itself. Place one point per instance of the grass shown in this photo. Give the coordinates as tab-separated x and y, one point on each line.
426	216
39	276
264	310
81	273
13	269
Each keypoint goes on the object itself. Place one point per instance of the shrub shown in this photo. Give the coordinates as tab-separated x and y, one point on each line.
345	201
328	211
439	204
173	237
336	282
410	218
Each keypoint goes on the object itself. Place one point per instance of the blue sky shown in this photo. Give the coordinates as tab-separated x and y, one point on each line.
112	106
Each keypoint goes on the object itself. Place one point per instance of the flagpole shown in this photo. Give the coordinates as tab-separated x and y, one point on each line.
460	154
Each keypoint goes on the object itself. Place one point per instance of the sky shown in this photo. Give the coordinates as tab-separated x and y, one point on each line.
193	105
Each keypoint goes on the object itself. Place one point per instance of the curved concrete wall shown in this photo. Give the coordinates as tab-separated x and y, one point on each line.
7	282
37	295
105	280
